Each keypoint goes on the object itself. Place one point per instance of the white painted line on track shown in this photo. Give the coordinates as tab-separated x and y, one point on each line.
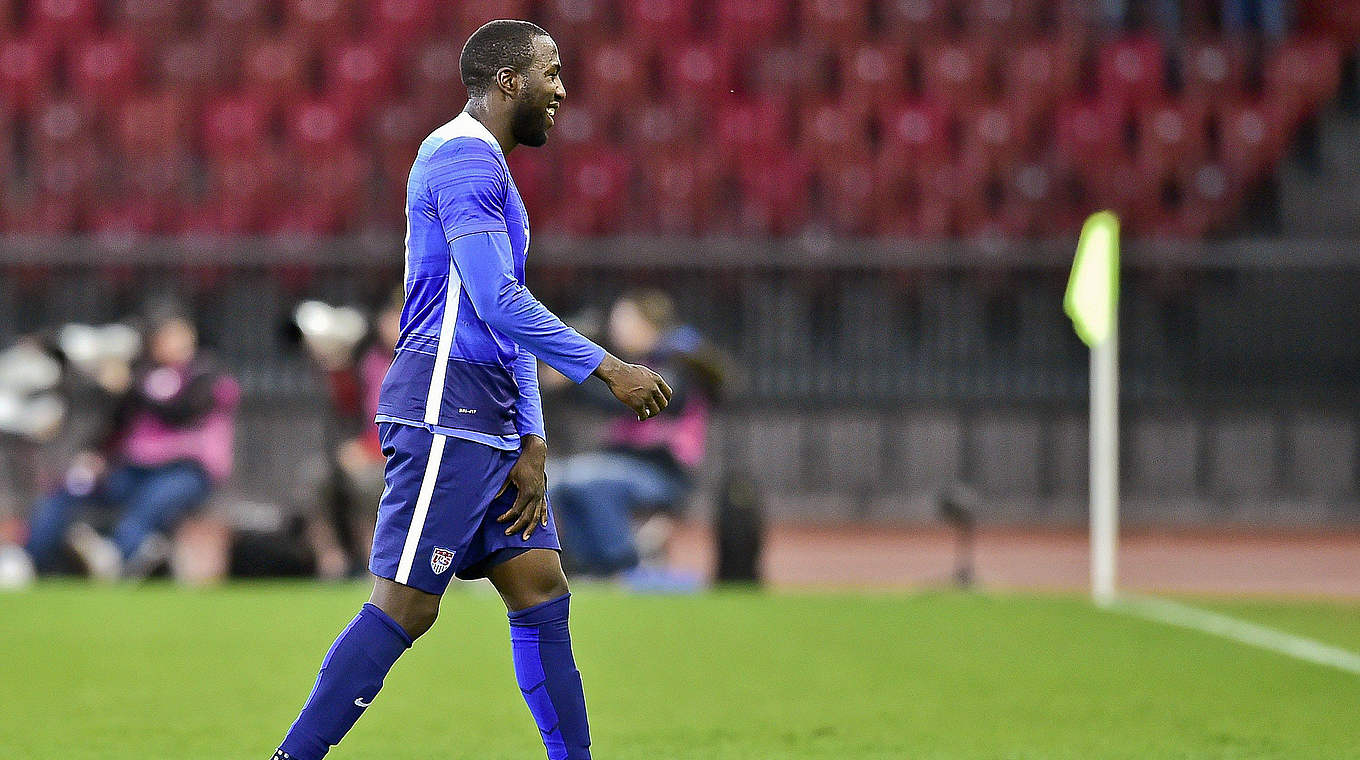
1185	616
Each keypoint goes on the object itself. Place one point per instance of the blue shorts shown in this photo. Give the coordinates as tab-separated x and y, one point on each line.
437	517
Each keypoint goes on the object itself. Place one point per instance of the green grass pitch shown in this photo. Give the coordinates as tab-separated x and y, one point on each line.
164	673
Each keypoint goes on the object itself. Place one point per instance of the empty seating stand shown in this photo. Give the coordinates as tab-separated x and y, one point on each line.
900	117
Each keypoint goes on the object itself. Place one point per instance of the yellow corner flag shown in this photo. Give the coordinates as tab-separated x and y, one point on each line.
1093	290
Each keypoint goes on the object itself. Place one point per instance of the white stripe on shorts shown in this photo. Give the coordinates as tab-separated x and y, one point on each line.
408	552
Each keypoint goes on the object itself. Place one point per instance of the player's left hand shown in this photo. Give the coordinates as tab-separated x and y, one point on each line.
530	509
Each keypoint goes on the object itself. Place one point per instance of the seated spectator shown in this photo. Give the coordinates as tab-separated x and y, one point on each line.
643	469
167	444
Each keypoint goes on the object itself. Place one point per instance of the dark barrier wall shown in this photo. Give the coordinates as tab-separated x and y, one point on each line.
874	373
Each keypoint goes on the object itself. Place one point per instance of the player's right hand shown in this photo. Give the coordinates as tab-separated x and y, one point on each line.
639	388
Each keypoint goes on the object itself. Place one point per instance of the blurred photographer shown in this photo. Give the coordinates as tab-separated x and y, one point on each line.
337	495
643	469
161	450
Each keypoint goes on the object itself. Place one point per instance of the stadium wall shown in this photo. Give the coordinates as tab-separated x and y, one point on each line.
872	375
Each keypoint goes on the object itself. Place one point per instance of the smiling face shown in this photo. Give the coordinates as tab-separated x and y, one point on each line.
539	96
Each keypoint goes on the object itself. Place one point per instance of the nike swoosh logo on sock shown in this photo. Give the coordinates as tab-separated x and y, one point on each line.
360	702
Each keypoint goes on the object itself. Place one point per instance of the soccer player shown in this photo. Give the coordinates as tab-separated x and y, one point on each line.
460	416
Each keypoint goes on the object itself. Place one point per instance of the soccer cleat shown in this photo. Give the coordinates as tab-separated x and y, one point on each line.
101	558
153	552
279	754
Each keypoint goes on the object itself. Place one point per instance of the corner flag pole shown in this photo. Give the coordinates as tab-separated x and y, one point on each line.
1092	301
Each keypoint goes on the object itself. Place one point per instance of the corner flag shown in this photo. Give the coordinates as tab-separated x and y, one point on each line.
1093	290
1092	302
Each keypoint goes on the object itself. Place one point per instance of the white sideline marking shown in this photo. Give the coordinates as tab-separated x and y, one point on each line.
1185	616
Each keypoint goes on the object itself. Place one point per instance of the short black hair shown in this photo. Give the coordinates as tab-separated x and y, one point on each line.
497	45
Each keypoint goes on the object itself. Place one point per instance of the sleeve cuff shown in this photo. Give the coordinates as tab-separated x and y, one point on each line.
588	367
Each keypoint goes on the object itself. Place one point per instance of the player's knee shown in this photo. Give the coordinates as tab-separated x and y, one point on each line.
414	610
417	622
544	587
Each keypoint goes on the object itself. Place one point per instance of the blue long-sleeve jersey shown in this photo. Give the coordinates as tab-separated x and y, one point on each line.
470	330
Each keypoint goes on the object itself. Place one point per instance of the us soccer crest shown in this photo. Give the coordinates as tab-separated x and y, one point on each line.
441	560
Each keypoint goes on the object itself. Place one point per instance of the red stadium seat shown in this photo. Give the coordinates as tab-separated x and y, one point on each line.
1251	137
192	67
236	18
1119	185
655	127
1088	133
596	179
1029	202
151	124
1338	19
60	126
40	215
848	193
469	16
680	191
335	180
788	71
298	222
217	216
1131	70
775	194
354	71
994	136
397	131
838	21
914	134
696	73
26	68
535	176
164	176
242	190
403	22
750	22
1214	69
72	174
126	218
235	124
148	20
1206	203
1172	135
319	21
1303	74
653	22
1000	18
832	133
62	19
316	128
276	69
872	73
614	76
434	76
1037	75
956	73
752	129
915	21
105	70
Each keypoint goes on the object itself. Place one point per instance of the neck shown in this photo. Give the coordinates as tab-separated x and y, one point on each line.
496	121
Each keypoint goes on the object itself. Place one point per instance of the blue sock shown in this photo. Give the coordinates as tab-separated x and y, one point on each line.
549	679
350	677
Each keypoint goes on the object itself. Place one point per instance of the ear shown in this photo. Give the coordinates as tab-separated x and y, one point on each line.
508	81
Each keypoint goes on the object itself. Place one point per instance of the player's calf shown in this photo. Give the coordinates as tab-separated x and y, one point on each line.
355	667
